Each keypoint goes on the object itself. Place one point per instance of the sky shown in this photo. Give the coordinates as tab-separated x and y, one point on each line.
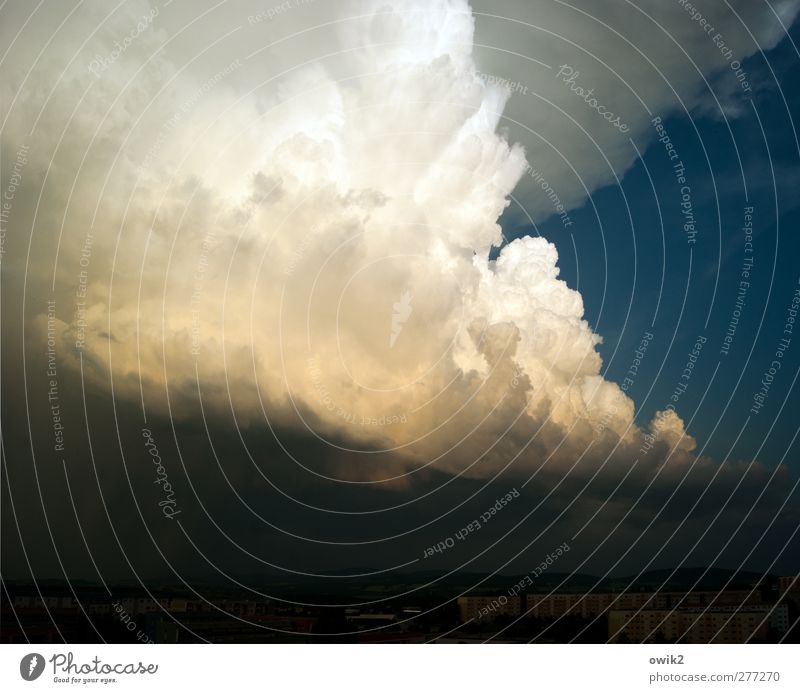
311	288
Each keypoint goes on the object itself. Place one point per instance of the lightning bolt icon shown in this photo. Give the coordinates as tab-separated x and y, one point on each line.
32	665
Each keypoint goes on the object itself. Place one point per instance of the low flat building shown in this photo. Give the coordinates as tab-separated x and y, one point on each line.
593	604
487	608
718	624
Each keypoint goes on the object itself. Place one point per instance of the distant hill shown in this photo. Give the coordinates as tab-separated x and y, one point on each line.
428	584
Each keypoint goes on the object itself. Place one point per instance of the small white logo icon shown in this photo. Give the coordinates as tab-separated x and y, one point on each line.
400	314
31	666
